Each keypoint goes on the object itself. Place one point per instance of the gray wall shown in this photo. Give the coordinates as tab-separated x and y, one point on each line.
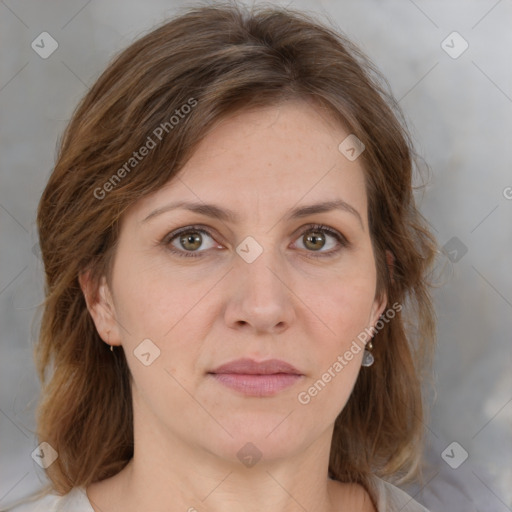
460	112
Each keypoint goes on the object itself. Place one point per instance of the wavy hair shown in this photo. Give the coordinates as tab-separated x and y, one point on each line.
225	58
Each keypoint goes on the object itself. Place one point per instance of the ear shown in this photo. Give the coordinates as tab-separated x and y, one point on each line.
379	304
101	307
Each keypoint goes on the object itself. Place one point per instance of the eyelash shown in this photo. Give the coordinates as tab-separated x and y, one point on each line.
197	254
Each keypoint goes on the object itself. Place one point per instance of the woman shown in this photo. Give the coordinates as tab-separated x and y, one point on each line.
237	311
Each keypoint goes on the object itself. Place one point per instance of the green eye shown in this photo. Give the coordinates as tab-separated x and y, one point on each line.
187	241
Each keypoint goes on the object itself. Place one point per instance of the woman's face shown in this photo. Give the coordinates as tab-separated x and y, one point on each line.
262	284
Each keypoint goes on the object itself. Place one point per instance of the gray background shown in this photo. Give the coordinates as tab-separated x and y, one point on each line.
460	113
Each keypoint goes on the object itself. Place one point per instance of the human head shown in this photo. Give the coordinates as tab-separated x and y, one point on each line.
218	62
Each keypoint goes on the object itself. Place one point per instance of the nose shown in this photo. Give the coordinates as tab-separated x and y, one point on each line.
263	300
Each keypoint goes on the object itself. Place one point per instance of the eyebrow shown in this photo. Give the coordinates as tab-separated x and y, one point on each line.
226	215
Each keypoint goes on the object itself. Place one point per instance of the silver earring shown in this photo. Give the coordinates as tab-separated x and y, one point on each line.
108	341
368	358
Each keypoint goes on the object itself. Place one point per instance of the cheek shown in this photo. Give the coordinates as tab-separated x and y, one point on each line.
173	312
152	299
345	306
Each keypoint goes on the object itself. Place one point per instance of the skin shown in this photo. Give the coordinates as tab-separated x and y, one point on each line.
203	312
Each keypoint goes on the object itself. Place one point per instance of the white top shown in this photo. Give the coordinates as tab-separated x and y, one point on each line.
389	499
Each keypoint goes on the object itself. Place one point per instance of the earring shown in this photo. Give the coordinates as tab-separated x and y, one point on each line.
368	358
108	341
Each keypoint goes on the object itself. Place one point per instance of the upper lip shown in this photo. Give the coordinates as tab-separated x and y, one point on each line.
251	367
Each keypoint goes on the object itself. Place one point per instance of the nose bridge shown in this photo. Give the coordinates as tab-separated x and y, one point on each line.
262	298
260	275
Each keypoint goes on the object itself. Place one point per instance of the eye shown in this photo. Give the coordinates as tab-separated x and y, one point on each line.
314	239
186	241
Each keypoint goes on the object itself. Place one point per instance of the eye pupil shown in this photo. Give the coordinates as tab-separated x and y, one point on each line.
314	238
191	239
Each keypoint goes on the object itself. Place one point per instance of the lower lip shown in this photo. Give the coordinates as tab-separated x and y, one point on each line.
257	385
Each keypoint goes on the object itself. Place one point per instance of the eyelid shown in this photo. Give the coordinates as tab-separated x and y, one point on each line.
166	241
339	237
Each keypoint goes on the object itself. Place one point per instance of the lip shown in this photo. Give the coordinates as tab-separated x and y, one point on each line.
251	367
266	378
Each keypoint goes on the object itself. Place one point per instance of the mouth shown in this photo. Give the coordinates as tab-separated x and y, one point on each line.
266	378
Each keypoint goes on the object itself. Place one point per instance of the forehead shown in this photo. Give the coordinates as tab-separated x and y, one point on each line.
265	160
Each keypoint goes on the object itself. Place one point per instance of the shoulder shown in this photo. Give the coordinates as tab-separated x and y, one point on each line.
390	498
75	501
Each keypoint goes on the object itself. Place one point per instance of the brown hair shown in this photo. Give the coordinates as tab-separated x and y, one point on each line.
220	59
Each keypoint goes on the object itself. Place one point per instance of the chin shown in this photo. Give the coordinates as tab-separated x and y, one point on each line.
255	438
